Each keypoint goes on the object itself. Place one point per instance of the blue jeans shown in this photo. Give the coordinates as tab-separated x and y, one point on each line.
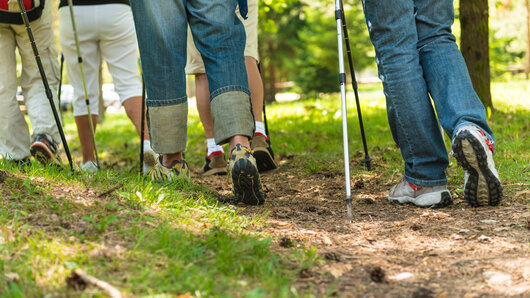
417	56
219	35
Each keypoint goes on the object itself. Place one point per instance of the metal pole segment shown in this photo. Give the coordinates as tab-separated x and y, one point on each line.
342	78
142	129
80	61
367	159
45	83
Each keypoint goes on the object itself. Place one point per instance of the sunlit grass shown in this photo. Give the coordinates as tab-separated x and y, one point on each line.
147	238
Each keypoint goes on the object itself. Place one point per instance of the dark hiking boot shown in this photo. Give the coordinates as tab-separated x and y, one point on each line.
246	184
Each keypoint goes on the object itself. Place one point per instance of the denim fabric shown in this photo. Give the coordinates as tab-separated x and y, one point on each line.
219	35
417	56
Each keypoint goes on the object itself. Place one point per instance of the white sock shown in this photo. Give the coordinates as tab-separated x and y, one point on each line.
147	145
260	128
212	146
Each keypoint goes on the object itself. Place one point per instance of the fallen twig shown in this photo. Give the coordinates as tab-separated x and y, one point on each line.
91	280
120	185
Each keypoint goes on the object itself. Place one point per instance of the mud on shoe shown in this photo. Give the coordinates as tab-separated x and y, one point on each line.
150	158
262	151
215	164
178	170
246	184
474	153
44	150
422	196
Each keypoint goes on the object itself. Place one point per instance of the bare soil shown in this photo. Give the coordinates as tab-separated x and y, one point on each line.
391	250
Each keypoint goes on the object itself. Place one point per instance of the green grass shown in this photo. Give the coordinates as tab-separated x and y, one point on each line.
149	239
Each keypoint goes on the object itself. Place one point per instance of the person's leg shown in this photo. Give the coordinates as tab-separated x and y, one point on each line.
392	29
412	120
459	109
87	31
255	85
45	131
14	133
85	136
119	49
228	84
161	31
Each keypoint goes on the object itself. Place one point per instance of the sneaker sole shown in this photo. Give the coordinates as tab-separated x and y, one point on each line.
446	200
41	152
482	187
264	160
246	183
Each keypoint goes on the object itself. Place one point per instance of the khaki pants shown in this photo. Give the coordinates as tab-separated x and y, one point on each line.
14	132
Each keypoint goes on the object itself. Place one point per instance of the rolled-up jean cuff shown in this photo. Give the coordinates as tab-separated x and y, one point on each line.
166	102
232	116
168	127
224	89
426	183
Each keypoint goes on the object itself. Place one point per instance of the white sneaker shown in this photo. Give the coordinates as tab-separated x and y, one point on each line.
150	158
474	153
89	167
422	196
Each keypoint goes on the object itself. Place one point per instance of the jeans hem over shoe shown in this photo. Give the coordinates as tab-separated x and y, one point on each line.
168	129
235	120
421	182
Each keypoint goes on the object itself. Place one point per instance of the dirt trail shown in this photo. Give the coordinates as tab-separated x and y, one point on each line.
390	250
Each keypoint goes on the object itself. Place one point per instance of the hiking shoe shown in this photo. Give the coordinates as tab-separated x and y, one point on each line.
474	153
44	150
246	184
150	158
178	170
215	164
88	167
262	151
421	196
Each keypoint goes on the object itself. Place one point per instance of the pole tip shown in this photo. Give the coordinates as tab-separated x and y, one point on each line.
348	206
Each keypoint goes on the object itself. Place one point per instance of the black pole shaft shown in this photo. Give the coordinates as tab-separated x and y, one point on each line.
45	83
142	129
367	159
60	80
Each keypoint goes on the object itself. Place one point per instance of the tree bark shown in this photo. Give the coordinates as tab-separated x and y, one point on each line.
527	69
475	47
270	78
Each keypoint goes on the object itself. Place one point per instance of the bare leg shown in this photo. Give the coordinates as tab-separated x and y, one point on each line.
85	136
256	87
133	108
203	104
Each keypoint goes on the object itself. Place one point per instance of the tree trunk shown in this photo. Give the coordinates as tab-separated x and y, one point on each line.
475	47
527	69
270	78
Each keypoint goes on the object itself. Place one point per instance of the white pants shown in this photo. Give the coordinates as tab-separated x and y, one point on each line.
14	133
104	31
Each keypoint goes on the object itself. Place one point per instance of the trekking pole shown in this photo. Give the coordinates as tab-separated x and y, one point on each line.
367	159
342	80
80	61
45	83
60	81
142	129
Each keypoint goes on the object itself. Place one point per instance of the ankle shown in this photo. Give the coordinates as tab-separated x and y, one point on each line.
168	159
239	139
